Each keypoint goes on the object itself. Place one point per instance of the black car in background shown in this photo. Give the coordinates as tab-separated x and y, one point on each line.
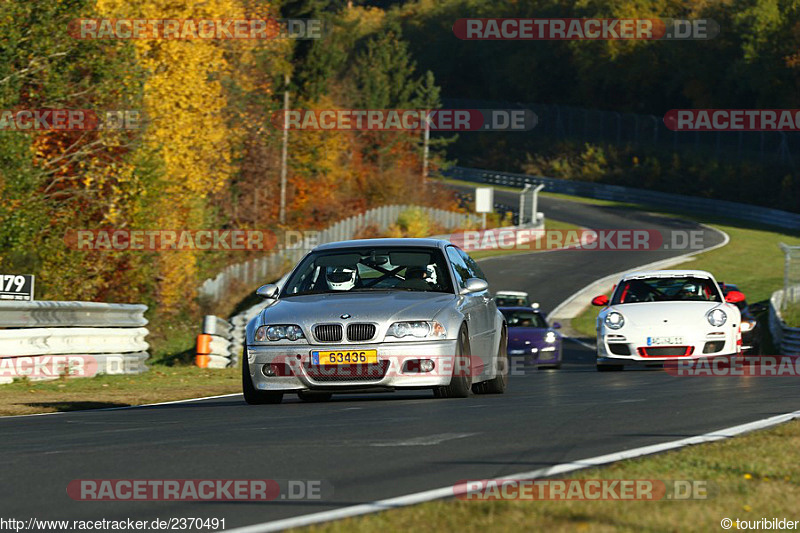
751	328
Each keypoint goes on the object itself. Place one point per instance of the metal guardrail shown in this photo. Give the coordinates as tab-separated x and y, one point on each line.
735	210
110	338
79	314
785	337
52	341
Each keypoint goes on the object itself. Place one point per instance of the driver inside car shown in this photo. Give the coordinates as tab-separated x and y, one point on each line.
341	278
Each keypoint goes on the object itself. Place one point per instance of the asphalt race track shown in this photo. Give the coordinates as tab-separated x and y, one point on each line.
376	446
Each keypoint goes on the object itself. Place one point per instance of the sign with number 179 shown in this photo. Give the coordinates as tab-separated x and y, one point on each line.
16	287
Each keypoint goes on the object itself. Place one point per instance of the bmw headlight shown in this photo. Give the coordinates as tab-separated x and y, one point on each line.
716	317
614	320
550	337
418	328
276	333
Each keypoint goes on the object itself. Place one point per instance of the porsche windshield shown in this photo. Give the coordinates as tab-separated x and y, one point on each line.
523	318
661	289
370	269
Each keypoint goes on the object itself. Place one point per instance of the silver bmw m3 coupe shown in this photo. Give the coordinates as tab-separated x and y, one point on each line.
377	314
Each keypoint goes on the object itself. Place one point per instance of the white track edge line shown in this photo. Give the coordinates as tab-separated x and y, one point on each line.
450	491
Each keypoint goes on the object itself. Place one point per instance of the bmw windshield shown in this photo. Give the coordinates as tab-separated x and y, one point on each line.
370	269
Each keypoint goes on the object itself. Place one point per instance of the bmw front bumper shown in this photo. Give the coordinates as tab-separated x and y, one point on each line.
389	373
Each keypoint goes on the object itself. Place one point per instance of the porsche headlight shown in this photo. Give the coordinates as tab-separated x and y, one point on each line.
276	333
418	328
614	320
748	325
716	317
550	337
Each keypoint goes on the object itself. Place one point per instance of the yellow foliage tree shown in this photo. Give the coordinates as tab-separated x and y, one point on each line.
185	106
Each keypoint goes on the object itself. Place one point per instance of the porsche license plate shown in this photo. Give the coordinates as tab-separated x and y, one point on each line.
343	357
660	341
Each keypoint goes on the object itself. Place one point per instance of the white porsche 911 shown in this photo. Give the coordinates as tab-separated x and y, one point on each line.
663	315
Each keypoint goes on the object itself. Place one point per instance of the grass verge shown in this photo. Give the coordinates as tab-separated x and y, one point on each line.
159	384
791	315
748	478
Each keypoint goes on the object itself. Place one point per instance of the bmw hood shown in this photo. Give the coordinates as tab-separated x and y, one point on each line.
376	306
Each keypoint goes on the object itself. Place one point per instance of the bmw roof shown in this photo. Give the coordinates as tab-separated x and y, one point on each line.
388	242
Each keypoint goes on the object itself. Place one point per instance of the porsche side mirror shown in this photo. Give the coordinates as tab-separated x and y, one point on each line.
270	290
734	297
600	301
556	325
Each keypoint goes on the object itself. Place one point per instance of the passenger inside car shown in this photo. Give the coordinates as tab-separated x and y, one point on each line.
415	279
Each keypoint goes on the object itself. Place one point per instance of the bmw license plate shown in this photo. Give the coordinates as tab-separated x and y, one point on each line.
660	341
343	357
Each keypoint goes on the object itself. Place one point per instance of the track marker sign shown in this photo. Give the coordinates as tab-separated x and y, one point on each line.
16	287
484	202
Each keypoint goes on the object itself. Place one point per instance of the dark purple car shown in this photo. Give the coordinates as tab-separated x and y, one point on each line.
530	336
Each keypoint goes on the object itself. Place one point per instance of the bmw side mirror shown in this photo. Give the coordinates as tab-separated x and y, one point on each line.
556	325
474	285
270	290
